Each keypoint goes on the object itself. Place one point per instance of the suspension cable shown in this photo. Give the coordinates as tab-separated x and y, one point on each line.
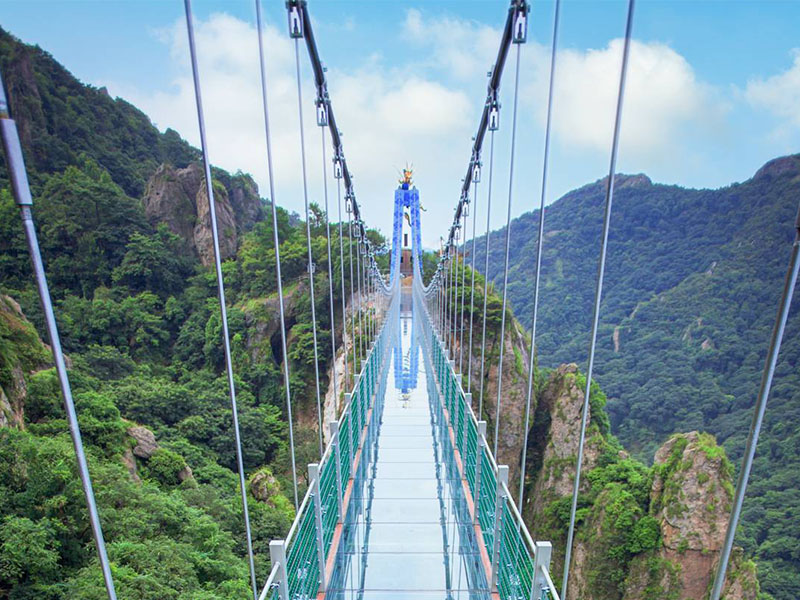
463	290
454	310
540	243
598	292
330	268
761	406
15	164
497	412
337	175
311	267
486	269
276	242
472	284
221	292
360	307
352	292
451	251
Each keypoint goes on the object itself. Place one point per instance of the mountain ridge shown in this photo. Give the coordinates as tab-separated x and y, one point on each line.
692	284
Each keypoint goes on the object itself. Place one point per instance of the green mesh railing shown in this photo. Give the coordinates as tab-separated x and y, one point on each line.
515	559
303	566
300	575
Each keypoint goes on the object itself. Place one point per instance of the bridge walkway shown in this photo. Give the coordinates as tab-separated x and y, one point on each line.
408	532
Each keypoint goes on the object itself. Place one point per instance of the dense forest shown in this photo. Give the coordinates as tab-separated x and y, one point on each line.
139	317
691	292
692	285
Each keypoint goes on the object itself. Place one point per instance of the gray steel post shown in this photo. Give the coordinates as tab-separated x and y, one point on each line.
277	555
541	563
478	467
313	478
467	404
22	195
337	457
499	499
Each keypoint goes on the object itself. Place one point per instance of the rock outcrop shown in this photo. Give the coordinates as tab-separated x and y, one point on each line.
145	440
245	201
642	532
691	499
264	487
22	352
178	198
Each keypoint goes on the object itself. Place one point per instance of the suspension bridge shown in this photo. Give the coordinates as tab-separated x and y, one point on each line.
407	499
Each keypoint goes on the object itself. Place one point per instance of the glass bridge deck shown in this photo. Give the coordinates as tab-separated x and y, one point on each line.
407	533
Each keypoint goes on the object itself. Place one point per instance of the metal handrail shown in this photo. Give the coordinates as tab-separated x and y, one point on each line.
270	582
526	536
550	585
326	456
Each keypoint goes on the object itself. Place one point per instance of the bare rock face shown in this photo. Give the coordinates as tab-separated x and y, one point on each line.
185	474
129	461
178	198
264	487
246	202
226	225
559	434
690	498
145	441
515	387
692	492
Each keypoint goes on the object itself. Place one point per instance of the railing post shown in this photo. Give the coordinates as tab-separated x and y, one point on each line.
478	464
499	499
467	404
277	555
313	478
337	457
541	563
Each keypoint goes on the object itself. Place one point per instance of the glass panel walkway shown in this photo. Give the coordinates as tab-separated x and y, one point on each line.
408	532
390	510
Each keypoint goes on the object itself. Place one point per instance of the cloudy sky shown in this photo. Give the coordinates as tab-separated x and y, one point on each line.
713	89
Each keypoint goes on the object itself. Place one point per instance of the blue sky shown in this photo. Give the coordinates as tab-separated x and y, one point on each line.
714	88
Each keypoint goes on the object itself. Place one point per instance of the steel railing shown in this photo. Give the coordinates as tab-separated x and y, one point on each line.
298	561
520	567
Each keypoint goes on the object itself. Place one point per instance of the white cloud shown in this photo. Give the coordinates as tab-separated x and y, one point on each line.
387	116
459	47
779	94
663	97
423	108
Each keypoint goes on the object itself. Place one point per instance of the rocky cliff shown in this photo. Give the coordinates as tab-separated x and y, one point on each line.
642	533
690	498
178	198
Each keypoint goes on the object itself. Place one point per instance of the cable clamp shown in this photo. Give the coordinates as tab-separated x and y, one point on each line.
295	19
322	111
494	112
519	31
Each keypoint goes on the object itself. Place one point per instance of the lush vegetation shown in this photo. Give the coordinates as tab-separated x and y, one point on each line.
139	319
691	291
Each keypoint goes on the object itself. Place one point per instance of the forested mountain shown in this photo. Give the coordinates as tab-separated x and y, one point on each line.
691	290
124	227
123	222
